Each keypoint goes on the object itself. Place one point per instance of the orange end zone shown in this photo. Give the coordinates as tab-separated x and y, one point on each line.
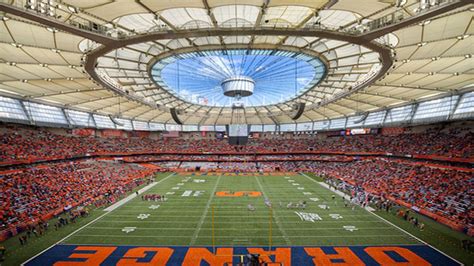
416	255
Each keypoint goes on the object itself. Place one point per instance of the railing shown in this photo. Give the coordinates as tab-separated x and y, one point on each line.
400	15
56	11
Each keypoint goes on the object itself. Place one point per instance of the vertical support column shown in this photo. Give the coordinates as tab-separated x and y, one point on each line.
91	116
28	115
413	112
385	117
66	116
455	107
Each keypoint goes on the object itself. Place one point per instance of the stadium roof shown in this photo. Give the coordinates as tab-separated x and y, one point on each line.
102	57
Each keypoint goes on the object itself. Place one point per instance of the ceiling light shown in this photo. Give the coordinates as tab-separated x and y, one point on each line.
11	63
456	73
462	37
72	9
17	45
70	78
53	30
468	56
55	50
421	44
401	3
423	23
434	58
406	60
48	79
5	18
43	64
24	80
72	66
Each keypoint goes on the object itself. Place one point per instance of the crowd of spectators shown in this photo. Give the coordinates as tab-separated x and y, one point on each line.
29	195
29	143
444	192
34	192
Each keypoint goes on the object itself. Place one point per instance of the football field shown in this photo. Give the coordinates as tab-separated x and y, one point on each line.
232	211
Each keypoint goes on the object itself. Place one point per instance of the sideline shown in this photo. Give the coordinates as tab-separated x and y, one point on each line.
130	197
84	226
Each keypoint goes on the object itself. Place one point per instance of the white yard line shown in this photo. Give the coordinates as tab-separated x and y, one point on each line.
82	227
233	222
218	216
203	217
277	221
232	237
239	229
413	236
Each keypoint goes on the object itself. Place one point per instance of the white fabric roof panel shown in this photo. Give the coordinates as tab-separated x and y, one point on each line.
445	38
235	13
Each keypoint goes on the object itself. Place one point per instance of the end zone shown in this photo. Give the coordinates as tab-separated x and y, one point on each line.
419	255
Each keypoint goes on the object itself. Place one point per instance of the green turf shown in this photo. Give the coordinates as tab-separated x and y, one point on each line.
188	220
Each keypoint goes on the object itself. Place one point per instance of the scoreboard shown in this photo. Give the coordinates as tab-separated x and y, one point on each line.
238	130
238	134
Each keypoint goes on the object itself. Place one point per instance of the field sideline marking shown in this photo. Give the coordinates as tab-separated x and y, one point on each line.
282	231
129	198
82	227
203	216
401	229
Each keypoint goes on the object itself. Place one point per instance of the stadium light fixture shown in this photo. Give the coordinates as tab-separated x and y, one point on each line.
423	23
53	30
72	9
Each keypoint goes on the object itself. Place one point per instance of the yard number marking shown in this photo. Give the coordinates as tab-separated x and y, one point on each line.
335	216
143	216
128	229
309	217
196	193
350	228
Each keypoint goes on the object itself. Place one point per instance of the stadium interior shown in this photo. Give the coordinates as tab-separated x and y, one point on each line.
237	132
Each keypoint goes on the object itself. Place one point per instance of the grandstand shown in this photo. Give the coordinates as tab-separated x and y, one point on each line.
251	132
